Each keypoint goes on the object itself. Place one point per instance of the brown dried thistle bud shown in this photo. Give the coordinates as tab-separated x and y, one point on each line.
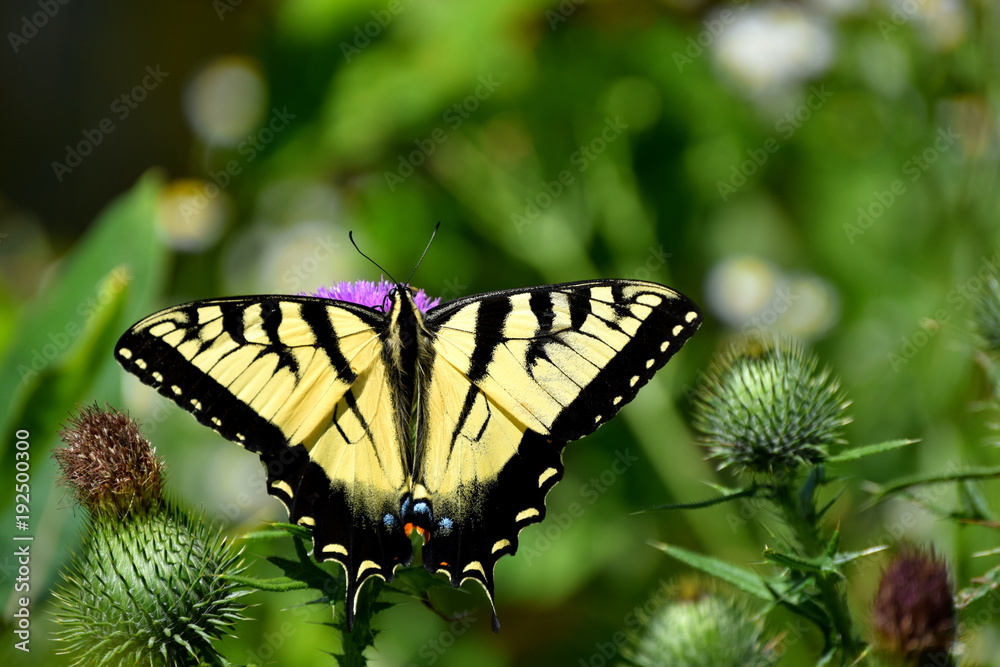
107	463
914	611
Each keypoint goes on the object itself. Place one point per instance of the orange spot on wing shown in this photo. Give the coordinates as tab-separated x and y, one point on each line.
409	528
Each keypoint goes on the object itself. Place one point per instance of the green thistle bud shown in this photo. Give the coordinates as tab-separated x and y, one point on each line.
147	588
708	630
914	611
765	408
986	310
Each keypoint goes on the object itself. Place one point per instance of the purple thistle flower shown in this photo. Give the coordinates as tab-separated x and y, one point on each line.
370	294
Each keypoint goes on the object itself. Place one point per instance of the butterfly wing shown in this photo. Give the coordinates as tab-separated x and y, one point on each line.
303	383
514	376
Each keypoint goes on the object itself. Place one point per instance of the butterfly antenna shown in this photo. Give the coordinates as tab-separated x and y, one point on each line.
350	235
424	253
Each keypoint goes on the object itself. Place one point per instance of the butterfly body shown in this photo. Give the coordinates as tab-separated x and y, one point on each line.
377	423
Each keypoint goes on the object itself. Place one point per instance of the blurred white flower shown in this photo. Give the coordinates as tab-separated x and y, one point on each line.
751	295
225	100
739	288
770	48
942	23
191	214
837	8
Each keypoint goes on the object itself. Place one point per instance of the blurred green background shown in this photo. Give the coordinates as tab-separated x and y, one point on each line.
826	169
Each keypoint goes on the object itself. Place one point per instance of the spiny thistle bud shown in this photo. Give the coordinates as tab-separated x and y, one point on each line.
703	630
147	588
765	408
987	314
914	611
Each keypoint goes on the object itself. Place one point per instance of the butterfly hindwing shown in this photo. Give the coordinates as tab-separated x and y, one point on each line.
470	548
303	383
515	375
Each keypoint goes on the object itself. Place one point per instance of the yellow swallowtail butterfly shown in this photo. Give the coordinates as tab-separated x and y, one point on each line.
376	422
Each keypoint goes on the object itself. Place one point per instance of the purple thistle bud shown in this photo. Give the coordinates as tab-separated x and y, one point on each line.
370	294
914	612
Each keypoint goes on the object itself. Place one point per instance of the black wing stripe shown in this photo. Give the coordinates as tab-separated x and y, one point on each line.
236	420
630	369
489	334
579	310
232	323
326	338
541	308
271	317
470	399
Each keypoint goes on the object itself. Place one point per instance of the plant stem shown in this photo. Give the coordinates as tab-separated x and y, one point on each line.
800	515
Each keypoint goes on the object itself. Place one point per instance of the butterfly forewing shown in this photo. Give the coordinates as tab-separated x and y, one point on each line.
303	383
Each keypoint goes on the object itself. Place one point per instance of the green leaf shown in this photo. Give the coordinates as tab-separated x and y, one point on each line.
856	453
981	587
416	580
974	504
826	508
827	656
923	479
278	530
798	600
65	382
362	637
743	579
815	565
848	556
48	327
750	491
273	584
833	545
264	534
